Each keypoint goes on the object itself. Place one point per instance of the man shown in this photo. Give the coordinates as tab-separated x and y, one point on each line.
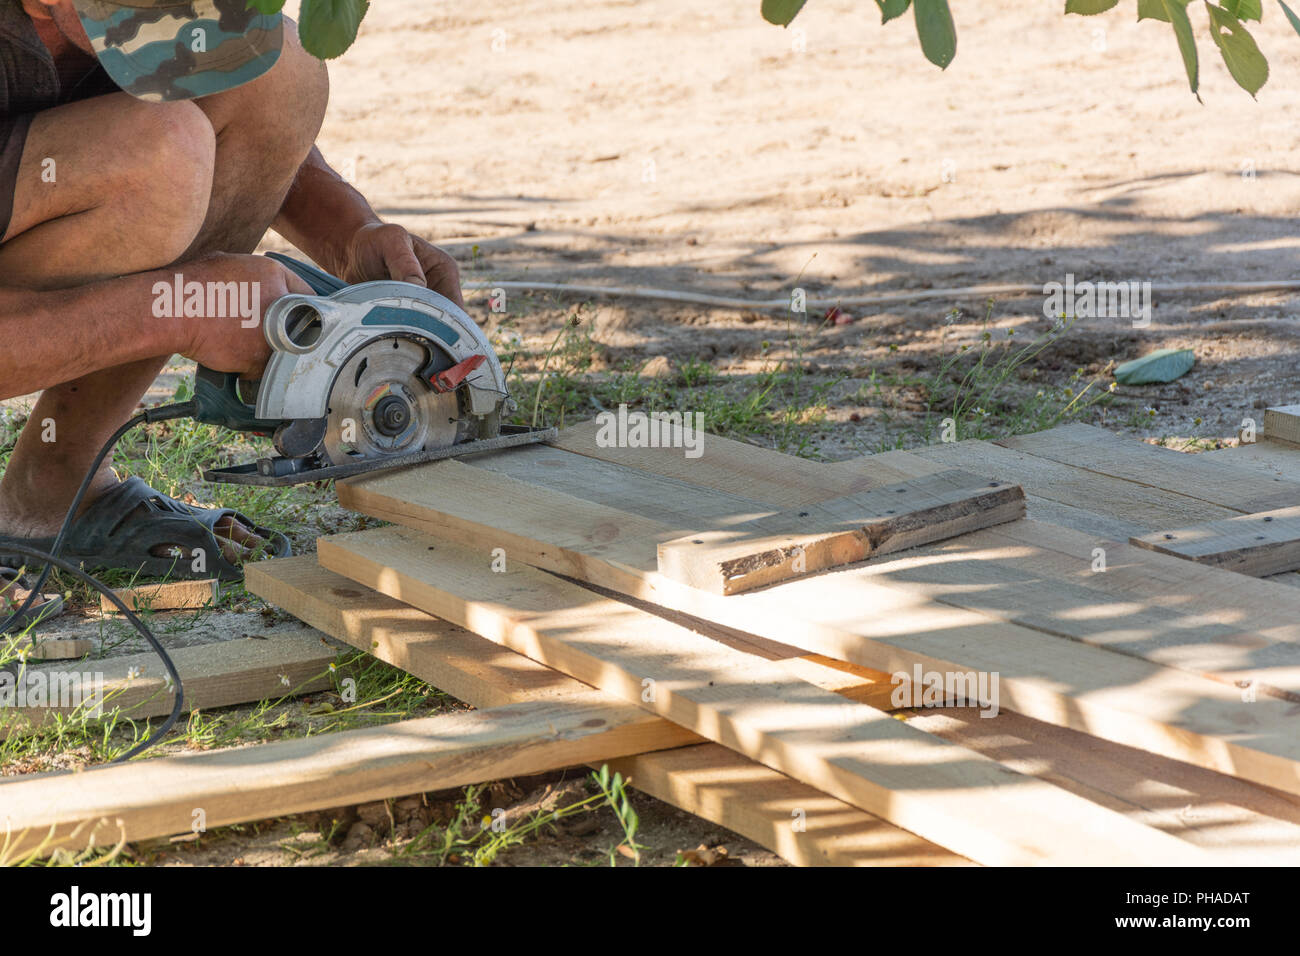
140	139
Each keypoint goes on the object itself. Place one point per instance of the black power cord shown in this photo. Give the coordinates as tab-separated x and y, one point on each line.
52	560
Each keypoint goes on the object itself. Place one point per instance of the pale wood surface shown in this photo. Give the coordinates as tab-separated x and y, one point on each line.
1195	476
788	544
1206	808
1283	423
858	614
731	790
1275	458
37	648
213	675
1258	544
168	596
706	779
858	754
1059	492
159	797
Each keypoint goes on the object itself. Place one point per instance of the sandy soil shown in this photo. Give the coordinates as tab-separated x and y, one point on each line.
702	149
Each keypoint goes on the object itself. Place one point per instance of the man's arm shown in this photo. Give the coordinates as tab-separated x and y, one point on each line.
329	220
56	336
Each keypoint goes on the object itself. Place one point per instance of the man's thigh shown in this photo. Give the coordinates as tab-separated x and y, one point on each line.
109	178
76	152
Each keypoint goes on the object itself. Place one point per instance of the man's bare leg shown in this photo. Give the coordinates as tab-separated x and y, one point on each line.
246	145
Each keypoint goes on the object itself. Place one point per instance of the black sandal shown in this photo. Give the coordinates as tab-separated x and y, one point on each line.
134	528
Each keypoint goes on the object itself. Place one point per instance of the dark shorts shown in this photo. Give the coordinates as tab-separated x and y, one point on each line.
13	137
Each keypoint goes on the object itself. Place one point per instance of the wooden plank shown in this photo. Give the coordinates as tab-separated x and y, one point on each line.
1205	621
1275	458
1205	808
1153	607
34	647
1106	507
158	797
168	596
789	544
706	779
1258	544
1195	476
726	465
1283	423
135	686
1091	501
850	615
727	788
851	751
795	821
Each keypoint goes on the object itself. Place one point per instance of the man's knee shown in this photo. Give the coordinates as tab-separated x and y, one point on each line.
164	177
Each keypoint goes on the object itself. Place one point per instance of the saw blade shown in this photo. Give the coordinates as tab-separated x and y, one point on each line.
381	407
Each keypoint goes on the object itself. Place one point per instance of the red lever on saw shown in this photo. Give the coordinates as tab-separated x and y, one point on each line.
450	379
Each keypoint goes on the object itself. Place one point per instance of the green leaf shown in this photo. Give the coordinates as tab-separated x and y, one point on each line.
889	9
265	6
935	28
1162	365
1175	12
781	12
1240	53
328	27
1089	7
1295	21
1245	9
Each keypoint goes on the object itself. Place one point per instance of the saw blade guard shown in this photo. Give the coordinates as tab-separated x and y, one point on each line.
313	337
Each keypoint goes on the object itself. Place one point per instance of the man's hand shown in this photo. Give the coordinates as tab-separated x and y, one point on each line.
384	250
226	344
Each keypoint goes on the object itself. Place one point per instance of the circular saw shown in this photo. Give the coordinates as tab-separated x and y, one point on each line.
362	377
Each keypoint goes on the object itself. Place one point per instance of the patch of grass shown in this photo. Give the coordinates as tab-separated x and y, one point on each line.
781	405
980	392
115	856
471	838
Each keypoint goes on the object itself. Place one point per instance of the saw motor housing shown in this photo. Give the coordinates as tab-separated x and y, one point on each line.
315	339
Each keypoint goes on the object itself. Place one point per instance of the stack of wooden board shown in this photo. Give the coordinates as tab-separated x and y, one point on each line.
773	643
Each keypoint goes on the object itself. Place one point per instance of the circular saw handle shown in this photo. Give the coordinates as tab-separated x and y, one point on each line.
217	401
322	283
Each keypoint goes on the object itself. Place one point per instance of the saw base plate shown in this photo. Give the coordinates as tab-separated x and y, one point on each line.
276	473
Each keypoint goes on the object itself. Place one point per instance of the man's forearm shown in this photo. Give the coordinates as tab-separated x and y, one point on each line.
56	336
321	212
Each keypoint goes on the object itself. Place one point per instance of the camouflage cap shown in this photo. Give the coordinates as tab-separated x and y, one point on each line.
181	49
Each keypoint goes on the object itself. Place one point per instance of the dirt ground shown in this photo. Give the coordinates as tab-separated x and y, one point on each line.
670	145
390	835
662	144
